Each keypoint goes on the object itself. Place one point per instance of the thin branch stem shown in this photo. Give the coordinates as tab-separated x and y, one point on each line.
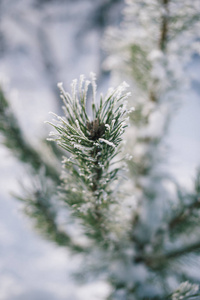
183	251
159	261
164	26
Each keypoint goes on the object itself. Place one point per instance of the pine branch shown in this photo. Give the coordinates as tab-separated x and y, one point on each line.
183	217
41	205
38	201
159	261
185	25
193	247
92	145
187	214
14	140
186	291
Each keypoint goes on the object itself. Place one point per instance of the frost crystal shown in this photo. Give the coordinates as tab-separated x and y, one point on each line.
107	126
107	142
60	85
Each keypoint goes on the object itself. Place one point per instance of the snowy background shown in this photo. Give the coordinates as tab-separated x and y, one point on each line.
42	43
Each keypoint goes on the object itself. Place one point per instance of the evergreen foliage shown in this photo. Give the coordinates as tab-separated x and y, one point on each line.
148	50
14	140
93	145
138	231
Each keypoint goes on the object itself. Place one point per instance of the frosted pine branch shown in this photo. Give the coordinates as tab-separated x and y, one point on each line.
93	144
186	291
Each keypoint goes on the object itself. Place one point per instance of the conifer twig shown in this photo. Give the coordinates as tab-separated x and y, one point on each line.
93	144
40	205
14	140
